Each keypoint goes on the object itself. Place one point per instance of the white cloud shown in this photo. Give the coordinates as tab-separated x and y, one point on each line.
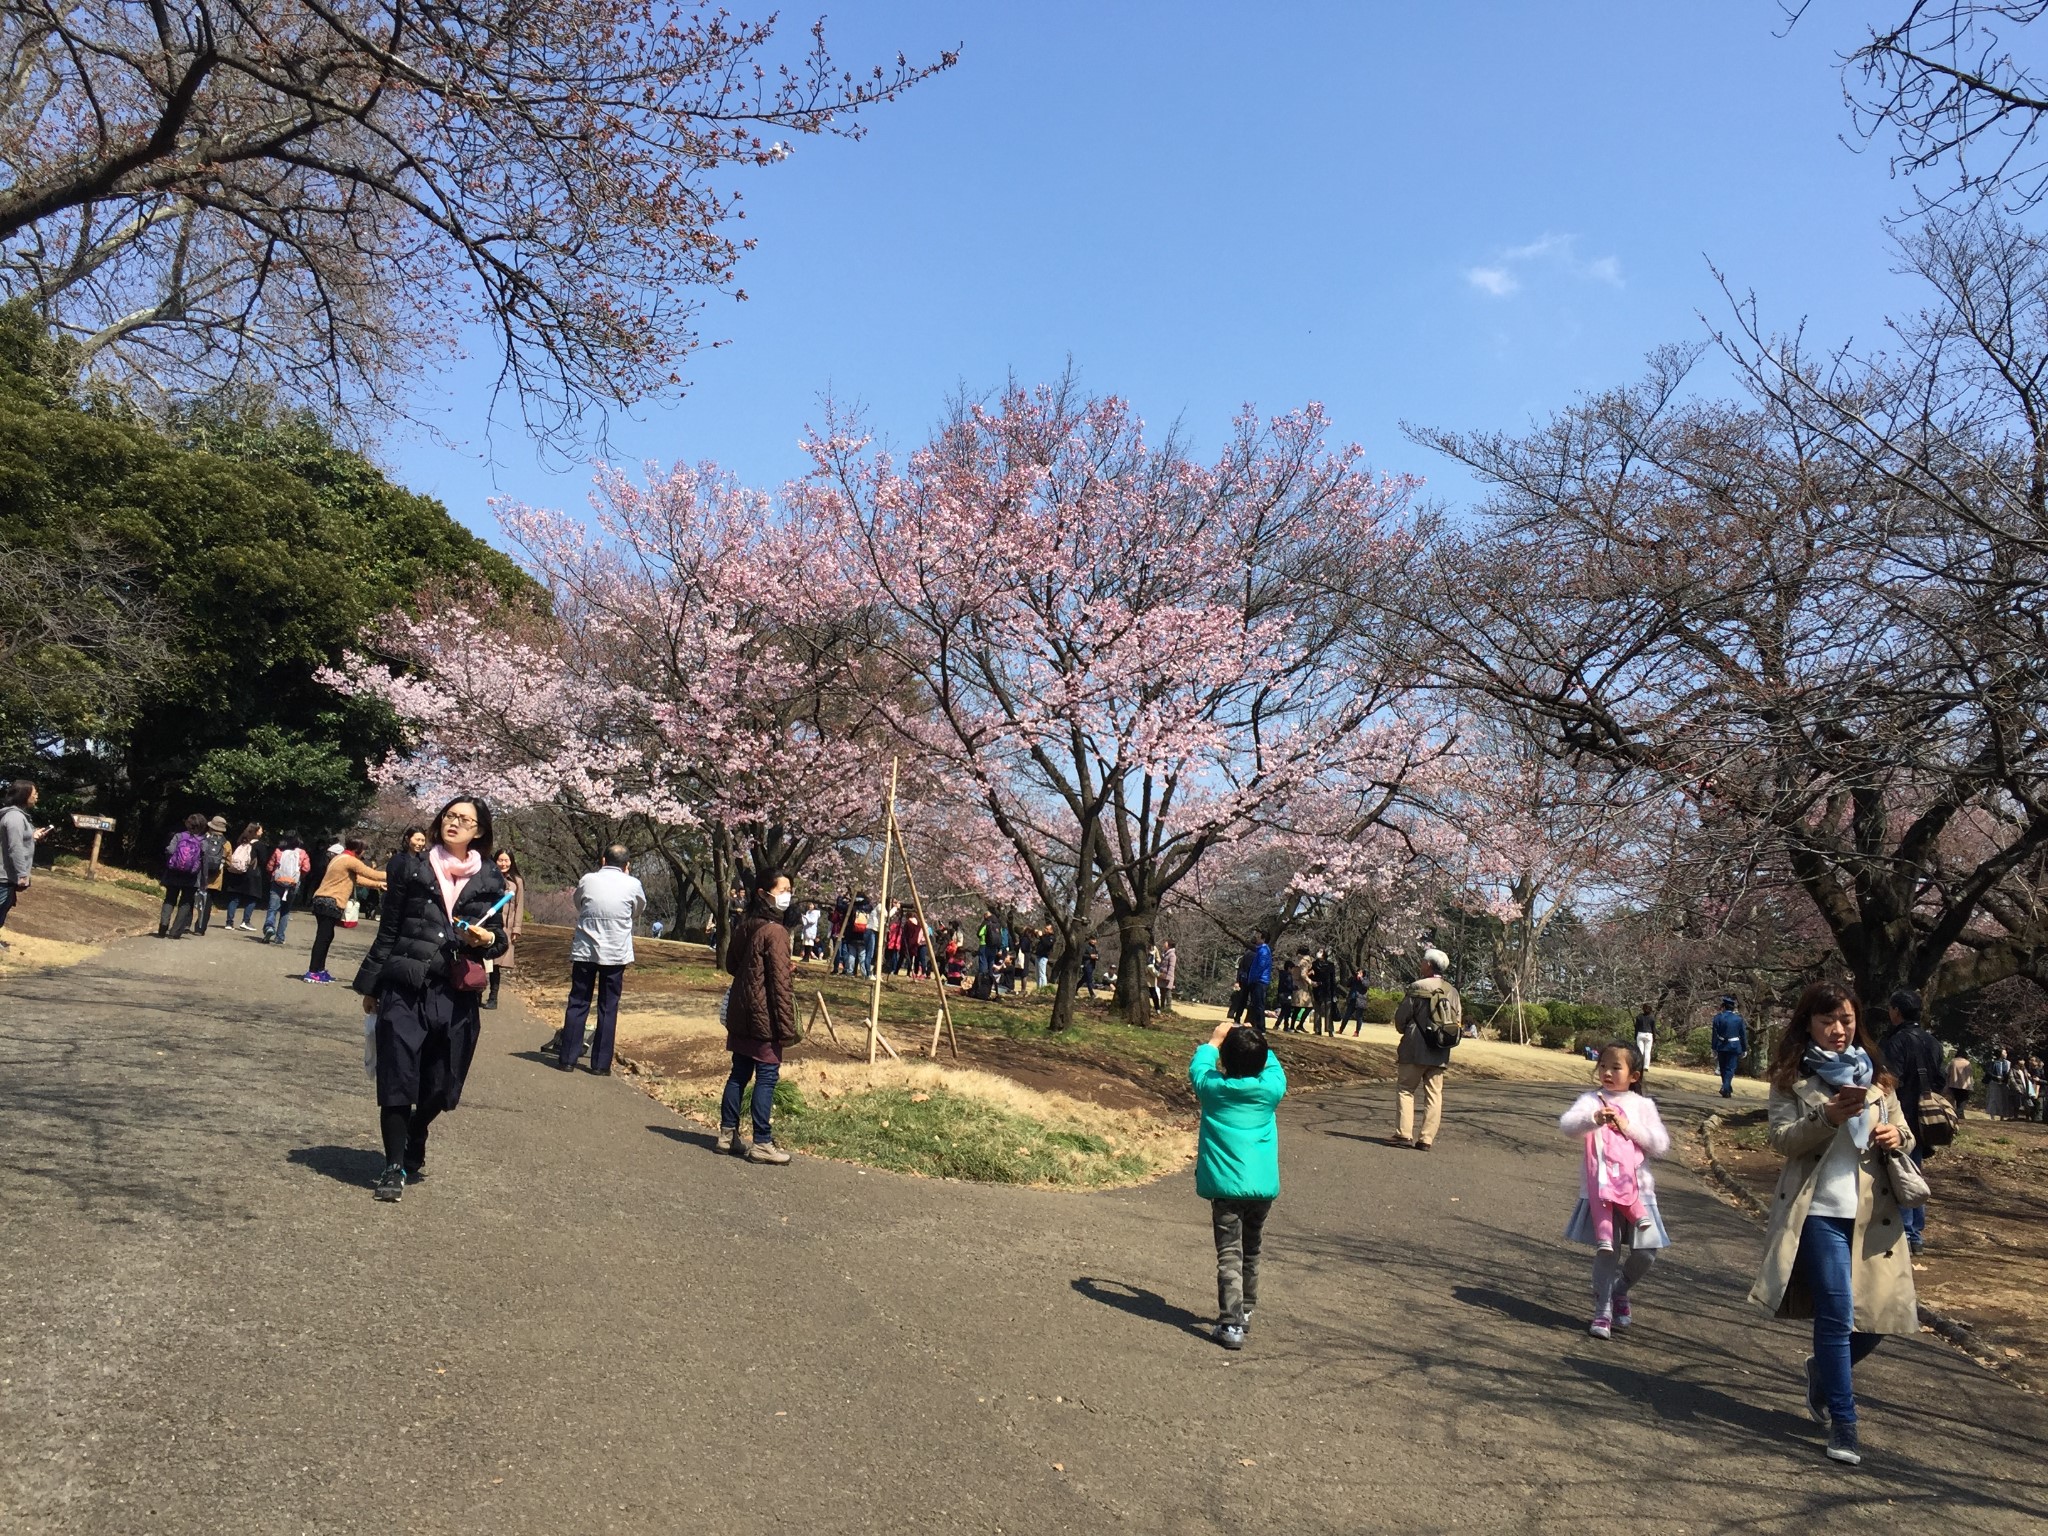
1558	252
1544	245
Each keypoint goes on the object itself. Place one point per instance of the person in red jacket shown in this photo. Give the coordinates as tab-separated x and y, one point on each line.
760	1017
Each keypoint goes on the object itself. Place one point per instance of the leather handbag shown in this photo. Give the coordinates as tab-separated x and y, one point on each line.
466	973
1909	1185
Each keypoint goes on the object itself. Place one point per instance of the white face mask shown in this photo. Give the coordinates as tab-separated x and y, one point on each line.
781	901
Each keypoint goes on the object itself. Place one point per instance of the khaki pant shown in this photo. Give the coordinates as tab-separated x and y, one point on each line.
1430	1080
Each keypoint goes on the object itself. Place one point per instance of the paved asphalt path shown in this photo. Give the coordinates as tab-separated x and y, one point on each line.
587	1322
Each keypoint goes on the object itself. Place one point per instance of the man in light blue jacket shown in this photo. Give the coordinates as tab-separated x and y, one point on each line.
1239	1084
608	902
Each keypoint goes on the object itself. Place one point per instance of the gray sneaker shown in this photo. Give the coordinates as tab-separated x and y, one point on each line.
766	1152
1229	1335
1842	1445
727	1135
1816	1400
1247	1320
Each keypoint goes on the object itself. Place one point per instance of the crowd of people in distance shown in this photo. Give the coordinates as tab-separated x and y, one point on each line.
999	958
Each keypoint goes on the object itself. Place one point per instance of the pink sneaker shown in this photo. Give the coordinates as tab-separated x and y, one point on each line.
1624	1314
1603	1327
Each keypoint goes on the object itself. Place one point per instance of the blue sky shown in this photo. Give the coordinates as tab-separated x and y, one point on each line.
1458	214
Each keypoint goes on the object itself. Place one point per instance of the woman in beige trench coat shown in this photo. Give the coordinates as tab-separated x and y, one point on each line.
1836	1251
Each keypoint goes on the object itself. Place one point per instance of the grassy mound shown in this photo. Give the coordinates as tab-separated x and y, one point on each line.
948	1123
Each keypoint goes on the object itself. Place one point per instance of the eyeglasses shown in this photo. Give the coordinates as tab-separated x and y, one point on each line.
457	819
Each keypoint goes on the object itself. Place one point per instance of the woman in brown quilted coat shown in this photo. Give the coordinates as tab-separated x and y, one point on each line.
760	1017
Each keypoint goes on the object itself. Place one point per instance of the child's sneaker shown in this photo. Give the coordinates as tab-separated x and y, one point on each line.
1624	1314
1230	1336
1603	1327
1247	1320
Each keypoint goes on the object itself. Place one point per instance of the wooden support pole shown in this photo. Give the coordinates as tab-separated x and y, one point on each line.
882	915
822	1012
938	970
92	868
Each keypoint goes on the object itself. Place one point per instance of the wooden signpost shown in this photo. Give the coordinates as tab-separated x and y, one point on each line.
99	827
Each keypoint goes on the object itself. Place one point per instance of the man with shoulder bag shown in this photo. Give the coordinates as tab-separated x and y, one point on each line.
1914	1056
1430	1019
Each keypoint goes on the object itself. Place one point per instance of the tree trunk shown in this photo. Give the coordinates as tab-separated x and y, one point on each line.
1066	986
721	911
1134	946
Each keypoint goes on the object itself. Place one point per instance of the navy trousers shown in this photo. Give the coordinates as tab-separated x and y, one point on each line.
607	981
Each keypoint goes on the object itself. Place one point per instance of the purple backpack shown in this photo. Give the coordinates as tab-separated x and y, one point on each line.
185	854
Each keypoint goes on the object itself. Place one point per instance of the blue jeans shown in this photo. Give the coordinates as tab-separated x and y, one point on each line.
1825	1265
764	1074
9	894
280	911
1729	1061
1914	1217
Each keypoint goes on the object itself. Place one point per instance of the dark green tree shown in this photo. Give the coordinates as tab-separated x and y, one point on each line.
260	548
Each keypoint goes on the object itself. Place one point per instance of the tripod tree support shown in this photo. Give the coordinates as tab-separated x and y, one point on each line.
893	846
875	972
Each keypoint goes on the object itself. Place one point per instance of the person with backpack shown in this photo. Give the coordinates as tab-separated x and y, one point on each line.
184	858
289	865
1430	1018
212	870
1914	1056
860	924
245	878
1730	1039
18	838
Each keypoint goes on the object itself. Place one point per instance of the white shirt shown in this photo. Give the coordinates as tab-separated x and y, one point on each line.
1834	1182
607	902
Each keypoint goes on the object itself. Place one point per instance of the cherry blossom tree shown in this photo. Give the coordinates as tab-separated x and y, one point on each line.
692	675
318	197
1131	656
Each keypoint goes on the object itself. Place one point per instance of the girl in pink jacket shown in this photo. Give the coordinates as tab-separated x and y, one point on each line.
1617	1205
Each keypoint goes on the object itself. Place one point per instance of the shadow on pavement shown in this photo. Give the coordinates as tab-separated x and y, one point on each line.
1139	1302
1520	1308
1673	1398
346	1165
688	1138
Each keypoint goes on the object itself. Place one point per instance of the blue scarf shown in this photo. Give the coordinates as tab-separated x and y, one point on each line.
1844	1069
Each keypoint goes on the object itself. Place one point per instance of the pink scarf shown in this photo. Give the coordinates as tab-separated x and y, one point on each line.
451	873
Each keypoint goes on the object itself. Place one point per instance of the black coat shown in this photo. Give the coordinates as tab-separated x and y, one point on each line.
415	940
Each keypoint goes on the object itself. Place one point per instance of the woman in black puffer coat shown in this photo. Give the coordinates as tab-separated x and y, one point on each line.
423	979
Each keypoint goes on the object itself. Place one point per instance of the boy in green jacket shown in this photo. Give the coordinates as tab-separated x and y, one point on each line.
1237	1162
